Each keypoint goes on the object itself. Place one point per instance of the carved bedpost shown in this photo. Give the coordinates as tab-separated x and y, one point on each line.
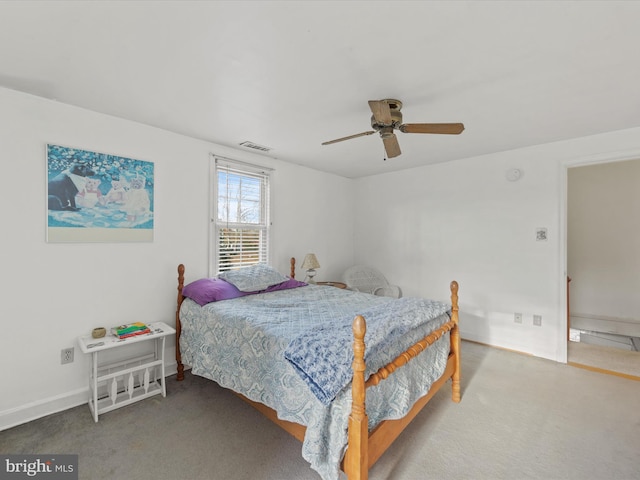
292	273
180	376
356	460
455	342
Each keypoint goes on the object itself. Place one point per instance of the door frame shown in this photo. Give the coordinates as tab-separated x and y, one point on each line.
563	175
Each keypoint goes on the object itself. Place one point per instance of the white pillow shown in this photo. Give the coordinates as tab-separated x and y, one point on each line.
253	278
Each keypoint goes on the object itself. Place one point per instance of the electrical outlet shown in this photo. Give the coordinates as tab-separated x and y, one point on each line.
537	320
517	317
66	355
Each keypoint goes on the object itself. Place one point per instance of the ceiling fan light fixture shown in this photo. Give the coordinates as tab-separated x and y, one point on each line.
386	132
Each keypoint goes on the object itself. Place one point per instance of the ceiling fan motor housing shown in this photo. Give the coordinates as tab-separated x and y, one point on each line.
396	116
396	121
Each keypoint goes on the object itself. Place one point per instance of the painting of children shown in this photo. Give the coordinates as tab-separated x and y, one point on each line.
98	197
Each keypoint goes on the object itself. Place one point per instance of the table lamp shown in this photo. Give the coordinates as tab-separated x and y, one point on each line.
310	263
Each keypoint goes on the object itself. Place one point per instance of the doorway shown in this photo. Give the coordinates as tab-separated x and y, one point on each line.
603	259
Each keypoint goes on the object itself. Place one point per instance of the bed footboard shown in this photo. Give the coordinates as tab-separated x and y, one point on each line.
365	448
356	459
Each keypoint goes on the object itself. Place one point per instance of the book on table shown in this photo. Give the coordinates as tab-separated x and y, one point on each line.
130	330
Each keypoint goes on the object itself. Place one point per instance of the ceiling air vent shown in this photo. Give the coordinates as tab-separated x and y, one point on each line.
255	146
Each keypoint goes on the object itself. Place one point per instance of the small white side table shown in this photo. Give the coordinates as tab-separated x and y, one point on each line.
114	385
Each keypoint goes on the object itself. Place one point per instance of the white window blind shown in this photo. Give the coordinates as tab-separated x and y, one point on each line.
241	215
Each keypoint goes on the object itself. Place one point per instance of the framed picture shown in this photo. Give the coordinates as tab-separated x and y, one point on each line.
98	197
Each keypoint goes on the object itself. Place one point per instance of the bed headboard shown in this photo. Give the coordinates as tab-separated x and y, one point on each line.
180	367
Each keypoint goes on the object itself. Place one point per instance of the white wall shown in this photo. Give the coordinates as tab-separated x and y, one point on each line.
464	221
54	293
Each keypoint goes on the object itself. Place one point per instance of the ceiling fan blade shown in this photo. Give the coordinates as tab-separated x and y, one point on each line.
381	111
391	145
445	128
348	138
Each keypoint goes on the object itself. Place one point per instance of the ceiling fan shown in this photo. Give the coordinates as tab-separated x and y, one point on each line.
387	117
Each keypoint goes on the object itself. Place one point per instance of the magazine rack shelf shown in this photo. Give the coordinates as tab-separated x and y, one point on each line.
118	383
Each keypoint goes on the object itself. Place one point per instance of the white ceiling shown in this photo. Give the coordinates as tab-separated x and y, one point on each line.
292	74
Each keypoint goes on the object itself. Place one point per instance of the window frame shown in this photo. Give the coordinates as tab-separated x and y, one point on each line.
226	165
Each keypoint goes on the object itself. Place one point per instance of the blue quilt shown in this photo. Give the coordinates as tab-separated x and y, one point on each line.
240	344
323	355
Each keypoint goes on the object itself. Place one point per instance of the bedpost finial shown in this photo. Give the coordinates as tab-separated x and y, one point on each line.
359	327
454	296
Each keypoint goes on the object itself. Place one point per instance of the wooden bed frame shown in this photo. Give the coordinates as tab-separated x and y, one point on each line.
365	448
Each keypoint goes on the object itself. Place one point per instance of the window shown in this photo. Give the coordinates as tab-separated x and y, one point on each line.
241	215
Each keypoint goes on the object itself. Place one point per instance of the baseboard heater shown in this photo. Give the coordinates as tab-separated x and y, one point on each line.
608	328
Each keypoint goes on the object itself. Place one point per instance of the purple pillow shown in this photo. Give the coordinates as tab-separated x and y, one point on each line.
207	290
291	283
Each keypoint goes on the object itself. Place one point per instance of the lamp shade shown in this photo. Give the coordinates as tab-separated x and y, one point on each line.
310	261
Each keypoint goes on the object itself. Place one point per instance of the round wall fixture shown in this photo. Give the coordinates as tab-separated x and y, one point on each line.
514	174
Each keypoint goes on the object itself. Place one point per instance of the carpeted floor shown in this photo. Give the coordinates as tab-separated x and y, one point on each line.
612	359
520	417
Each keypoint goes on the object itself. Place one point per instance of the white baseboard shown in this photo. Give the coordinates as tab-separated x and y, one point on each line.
510	346
34	410
48	406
